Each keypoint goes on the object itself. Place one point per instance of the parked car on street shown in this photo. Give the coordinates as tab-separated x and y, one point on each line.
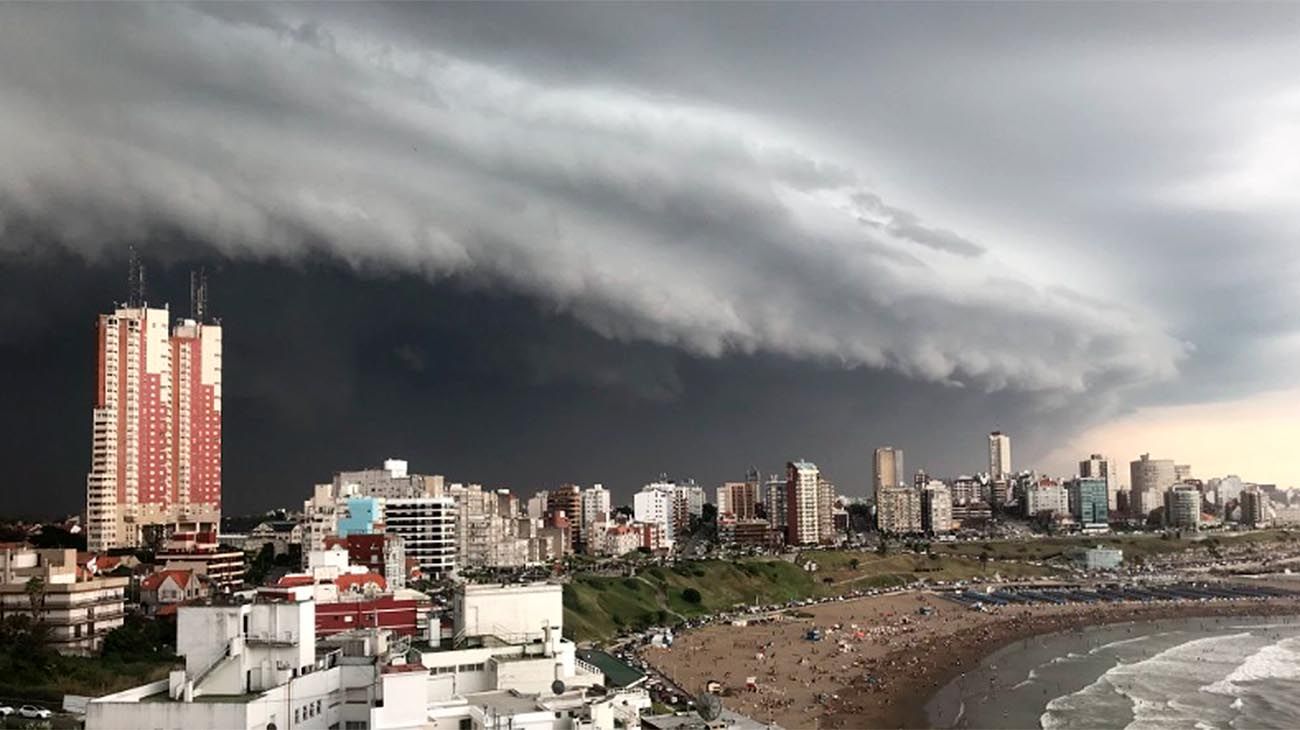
32	712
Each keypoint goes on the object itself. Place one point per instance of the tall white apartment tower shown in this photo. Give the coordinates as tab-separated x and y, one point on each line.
887	469
595	507
655	504
999	455
156	427
802	502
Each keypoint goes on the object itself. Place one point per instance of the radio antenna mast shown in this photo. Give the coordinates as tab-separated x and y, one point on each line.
199	294
135	280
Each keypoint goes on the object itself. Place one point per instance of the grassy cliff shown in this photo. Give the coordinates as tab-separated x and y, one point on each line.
598	607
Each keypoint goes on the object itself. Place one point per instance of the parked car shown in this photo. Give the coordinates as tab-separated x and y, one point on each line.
33	712
6	711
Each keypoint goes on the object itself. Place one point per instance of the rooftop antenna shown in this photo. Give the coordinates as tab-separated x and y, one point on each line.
135	280
199	294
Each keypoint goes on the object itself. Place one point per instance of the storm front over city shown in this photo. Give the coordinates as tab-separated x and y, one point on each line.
589	365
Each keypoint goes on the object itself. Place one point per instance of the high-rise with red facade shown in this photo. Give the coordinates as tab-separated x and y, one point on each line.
156	433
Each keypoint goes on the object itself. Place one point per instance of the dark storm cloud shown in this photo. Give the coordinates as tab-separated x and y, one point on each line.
1079	207
321	378
649	217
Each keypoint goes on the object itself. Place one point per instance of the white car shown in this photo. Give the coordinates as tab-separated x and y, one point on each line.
34	713
6	710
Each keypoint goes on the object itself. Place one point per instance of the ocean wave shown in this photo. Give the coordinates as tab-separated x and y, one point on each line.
1123	642
1276	661
1151	686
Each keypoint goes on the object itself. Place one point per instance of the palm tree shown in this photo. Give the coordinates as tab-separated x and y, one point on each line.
36	595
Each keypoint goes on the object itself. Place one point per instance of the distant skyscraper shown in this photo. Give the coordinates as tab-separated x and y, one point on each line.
657	503
774	507
595	510
825	510
567	502
1088	503
1182	472
392	481
1183	506
1046	499
999	455
738	499
427	526
1254	507
898	510
936	508
887	469
1148	480
1097	466
801	503
156	427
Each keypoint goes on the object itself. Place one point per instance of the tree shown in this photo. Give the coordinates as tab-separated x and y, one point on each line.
859	517
261	565
24	648
36	595
690	595
984	561
54	536
140	639
854	563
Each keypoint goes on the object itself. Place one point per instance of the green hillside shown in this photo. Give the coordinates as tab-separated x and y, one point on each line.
597	607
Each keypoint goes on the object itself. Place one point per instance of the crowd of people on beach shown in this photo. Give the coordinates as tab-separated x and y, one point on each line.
874	662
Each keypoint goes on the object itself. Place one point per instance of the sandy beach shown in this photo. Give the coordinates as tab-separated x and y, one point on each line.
879	659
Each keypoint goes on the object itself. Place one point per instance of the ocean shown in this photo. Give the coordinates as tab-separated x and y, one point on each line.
1177	673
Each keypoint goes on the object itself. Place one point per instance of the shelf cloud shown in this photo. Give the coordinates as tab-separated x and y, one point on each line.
648	216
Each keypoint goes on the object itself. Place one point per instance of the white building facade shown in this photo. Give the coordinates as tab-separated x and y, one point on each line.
999	455
427	526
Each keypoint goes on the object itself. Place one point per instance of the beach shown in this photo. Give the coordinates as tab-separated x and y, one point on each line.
879	659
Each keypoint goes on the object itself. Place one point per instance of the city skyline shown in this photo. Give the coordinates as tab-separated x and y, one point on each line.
185	329
605	248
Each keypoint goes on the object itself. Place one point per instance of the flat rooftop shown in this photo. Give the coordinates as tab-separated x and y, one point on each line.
210	699
617	673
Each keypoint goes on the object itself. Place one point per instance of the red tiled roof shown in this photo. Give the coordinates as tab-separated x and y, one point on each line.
359	581
103	563
155	581
294	580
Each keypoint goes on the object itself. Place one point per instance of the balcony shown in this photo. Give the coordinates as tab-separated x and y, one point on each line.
284	638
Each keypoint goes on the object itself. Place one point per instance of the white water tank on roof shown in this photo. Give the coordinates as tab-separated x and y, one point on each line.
396	468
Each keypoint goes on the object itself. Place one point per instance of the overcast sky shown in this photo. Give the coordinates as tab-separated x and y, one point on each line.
529	243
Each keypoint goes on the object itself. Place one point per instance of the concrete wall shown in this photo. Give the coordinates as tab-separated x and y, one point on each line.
125	711
202	633
510	612
404	702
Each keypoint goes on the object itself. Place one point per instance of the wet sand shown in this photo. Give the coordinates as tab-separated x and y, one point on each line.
885	660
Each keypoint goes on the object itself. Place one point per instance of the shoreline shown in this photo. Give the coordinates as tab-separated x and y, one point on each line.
905	702
880	660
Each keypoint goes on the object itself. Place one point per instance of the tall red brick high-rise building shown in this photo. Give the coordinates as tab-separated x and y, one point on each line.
156	432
